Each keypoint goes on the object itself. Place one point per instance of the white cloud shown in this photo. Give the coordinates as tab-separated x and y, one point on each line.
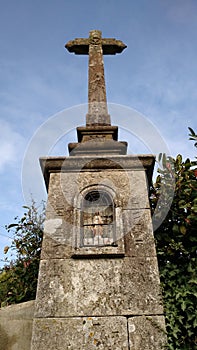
11	145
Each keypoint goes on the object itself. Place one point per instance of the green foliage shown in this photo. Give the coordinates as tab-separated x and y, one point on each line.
193	136
176	242
18	278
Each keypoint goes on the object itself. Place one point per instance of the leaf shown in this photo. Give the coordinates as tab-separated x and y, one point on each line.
192	131
183	229
164	160
195	323
179	159
6	249
11	225
175	228
193	281
159	157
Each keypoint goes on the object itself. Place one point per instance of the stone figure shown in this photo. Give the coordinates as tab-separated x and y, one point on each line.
97	228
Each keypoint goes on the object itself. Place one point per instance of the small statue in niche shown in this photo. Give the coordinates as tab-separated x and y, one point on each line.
97	228
97	224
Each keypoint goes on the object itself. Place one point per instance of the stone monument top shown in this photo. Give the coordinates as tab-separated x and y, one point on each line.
98	135
95	46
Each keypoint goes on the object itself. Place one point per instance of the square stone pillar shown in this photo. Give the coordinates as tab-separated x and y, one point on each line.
98	285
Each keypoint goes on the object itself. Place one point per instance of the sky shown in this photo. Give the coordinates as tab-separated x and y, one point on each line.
43	90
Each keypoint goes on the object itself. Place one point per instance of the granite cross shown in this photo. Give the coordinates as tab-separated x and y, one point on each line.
95	46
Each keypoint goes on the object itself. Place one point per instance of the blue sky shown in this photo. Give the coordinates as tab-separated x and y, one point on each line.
156	75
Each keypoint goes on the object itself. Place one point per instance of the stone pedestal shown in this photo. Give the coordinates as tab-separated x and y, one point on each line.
98	296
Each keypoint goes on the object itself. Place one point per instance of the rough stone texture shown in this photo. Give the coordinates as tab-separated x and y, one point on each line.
103	132
137	236
92	300
130	188
147	333
95	47
98	287
58	229
16	326
97	163
97	147
62	226
81	333
97	111
138	233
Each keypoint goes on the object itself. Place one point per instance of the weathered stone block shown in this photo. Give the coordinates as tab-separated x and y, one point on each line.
16	326
78	164
147	333
57	240
88	296
58	226
63	214
130	188
82	333
98	287
138	233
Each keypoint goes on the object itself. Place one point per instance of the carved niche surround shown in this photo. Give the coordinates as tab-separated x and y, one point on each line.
116	245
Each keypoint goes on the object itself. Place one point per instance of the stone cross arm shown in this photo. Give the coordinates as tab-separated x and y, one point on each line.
110	46
95	46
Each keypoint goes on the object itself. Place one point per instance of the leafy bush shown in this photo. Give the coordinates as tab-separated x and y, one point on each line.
176	243
18	278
